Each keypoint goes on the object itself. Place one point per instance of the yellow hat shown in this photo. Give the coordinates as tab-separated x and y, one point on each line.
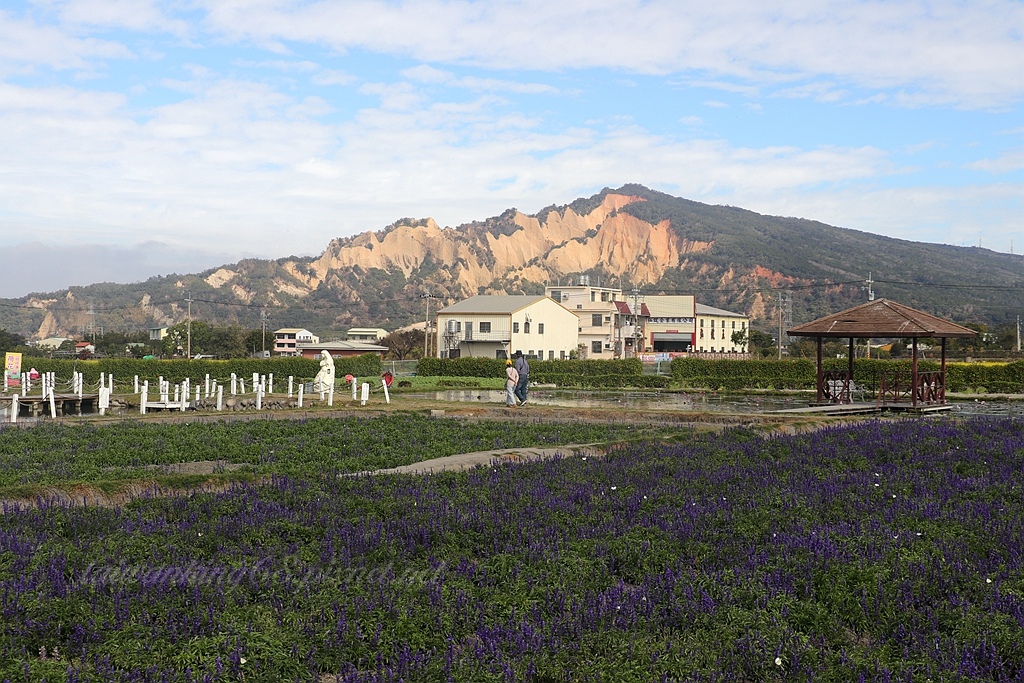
508	362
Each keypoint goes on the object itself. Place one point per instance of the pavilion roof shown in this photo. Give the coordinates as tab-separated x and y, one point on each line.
880	318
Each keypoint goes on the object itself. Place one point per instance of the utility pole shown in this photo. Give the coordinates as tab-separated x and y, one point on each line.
867	286
779	326
636	322
263	320
426	326
189	326
1018	334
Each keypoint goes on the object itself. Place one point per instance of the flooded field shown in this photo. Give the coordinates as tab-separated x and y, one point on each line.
684	401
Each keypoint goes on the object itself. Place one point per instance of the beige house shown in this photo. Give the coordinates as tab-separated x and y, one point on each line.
715	328
340	349
366	334
287	340
492	326
599	318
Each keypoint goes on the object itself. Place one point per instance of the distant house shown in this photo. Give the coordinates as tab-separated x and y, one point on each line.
157	333
598	310
340	349
50	343
84	347
672	324
678	324
288	339
367	334
715	328
491	326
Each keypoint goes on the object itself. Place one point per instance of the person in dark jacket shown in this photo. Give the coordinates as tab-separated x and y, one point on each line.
523	368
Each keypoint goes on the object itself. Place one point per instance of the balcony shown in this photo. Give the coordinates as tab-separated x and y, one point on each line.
477	336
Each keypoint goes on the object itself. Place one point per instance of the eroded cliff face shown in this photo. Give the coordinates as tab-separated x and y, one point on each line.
500	255
479	258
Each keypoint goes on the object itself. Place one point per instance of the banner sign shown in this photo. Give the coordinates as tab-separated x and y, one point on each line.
12	370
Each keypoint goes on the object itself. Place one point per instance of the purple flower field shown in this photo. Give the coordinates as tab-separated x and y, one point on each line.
885	551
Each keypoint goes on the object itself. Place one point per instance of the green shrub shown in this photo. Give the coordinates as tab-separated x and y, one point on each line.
495	367
867	372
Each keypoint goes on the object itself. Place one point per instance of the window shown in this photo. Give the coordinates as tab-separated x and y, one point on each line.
734	324
702	322
604	296
551	354
526	327
485	327
596	320
593	295
561	354
556	295
540	328
595	347
515	327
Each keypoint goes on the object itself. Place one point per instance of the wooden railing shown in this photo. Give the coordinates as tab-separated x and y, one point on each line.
835	386
897	387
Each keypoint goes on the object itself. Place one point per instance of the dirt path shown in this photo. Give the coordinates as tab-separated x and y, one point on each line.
465	461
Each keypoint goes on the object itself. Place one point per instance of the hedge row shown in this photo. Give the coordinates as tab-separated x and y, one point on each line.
495	367
601	381
124	369
744	374
801	373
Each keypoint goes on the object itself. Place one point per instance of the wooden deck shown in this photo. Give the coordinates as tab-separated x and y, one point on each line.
861	408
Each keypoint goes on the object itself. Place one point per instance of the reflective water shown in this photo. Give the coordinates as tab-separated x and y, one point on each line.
696	401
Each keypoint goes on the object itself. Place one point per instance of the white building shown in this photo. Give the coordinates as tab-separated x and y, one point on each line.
598	315
287	340
366	334
715	328
672	323
491	326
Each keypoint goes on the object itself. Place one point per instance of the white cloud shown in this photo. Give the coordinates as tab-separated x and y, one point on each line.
942	51
25	43
136	15
430	75
1010	161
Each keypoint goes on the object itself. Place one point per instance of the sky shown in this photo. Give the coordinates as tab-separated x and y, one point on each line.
148	137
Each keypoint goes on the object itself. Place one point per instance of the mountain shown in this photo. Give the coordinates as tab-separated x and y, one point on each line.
629	237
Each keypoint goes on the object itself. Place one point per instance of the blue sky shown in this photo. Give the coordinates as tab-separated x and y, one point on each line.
174	136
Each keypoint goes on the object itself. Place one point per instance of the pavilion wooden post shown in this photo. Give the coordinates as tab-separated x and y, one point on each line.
913	377
942	398
849	375
821	379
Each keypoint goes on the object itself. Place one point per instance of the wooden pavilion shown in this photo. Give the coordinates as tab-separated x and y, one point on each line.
883	319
